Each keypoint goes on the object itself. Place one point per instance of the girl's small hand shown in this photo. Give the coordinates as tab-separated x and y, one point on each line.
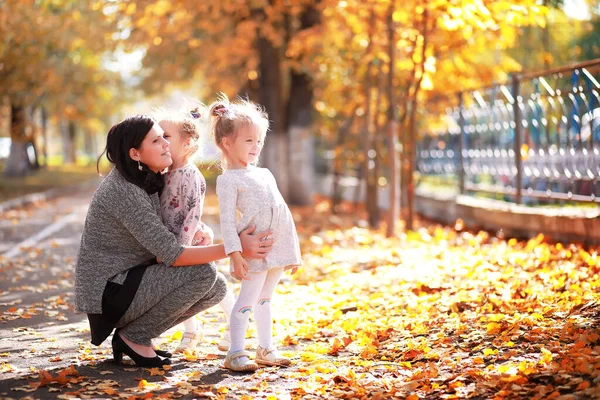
293	270
204	236
240	267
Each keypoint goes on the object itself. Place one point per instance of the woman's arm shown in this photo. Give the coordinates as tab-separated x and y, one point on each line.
254	246
194	255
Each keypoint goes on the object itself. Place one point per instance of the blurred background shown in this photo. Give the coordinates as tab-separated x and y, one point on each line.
370	101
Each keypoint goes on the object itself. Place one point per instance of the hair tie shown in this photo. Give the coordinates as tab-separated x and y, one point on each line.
220	110
195	113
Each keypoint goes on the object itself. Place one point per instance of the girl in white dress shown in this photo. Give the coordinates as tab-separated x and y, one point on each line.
239	130
182	200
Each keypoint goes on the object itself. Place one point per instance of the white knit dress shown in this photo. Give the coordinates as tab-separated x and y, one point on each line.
254	193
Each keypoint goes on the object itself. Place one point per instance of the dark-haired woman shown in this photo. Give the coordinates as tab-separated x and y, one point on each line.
131	273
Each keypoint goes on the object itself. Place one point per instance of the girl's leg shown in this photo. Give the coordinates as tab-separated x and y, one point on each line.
227	305
190	325
242	307
262	310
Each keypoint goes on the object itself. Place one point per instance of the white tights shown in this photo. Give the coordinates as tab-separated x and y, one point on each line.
226	305
256	293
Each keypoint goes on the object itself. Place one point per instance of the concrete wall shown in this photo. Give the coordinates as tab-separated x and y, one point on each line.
559	223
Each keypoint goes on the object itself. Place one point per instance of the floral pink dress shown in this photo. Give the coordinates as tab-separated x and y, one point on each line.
181	202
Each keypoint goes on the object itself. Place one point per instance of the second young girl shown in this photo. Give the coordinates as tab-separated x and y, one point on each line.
182	200
239	130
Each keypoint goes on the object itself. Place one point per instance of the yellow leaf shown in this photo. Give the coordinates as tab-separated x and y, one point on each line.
308	357
493	328
546	356
489	352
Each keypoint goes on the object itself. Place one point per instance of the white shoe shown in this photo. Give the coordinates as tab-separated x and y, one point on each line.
271	356
240	361
189	341
224	342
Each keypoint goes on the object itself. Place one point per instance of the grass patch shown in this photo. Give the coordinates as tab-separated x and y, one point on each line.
437	184
57	175
45	179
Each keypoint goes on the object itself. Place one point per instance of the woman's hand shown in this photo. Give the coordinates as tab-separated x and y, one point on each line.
255	246
204	236
240	266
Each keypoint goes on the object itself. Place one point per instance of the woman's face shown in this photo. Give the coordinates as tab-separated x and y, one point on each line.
154	150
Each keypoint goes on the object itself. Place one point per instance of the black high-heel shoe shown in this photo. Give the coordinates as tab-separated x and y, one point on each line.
119	347
163	353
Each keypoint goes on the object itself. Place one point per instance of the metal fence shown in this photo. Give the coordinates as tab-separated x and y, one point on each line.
534	139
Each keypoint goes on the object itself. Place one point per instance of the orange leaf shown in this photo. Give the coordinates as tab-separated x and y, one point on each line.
61	378
45	377
583	385
553	395
155	371
478	360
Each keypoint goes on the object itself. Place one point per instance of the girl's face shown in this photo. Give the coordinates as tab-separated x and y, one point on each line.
244	148
154	150
175	139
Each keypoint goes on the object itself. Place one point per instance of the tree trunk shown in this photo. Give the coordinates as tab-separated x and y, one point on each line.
409	149
338	161
366	133
32	148
375	172
301	143
274	154
375	168
299	120
392	129
89	143
45	134
68	133
250	91
18	164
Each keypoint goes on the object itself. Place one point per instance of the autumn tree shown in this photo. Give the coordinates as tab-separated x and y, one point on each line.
239	48
51	56
438	47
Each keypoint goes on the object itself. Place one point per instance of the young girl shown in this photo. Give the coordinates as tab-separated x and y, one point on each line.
239	130
182	200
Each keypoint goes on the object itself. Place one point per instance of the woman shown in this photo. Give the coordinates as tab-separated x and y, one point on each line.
131	273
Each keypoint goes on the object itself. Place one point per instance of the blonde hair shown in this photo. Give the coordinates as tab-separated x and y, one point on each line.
188	122
228	117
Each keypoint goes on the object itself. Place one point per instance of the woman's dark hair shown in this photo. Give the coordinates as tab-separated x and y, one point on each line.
124	136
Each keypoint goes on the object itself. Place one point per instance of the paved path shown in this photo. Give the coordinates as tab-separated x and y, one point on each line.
38	327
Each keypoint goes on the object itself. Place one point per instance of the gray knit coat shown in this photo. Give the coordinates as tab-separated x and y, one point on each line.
123	228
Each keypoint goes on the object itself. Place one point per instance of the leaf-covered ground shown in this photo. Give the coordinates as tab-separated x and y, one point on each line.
436	313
